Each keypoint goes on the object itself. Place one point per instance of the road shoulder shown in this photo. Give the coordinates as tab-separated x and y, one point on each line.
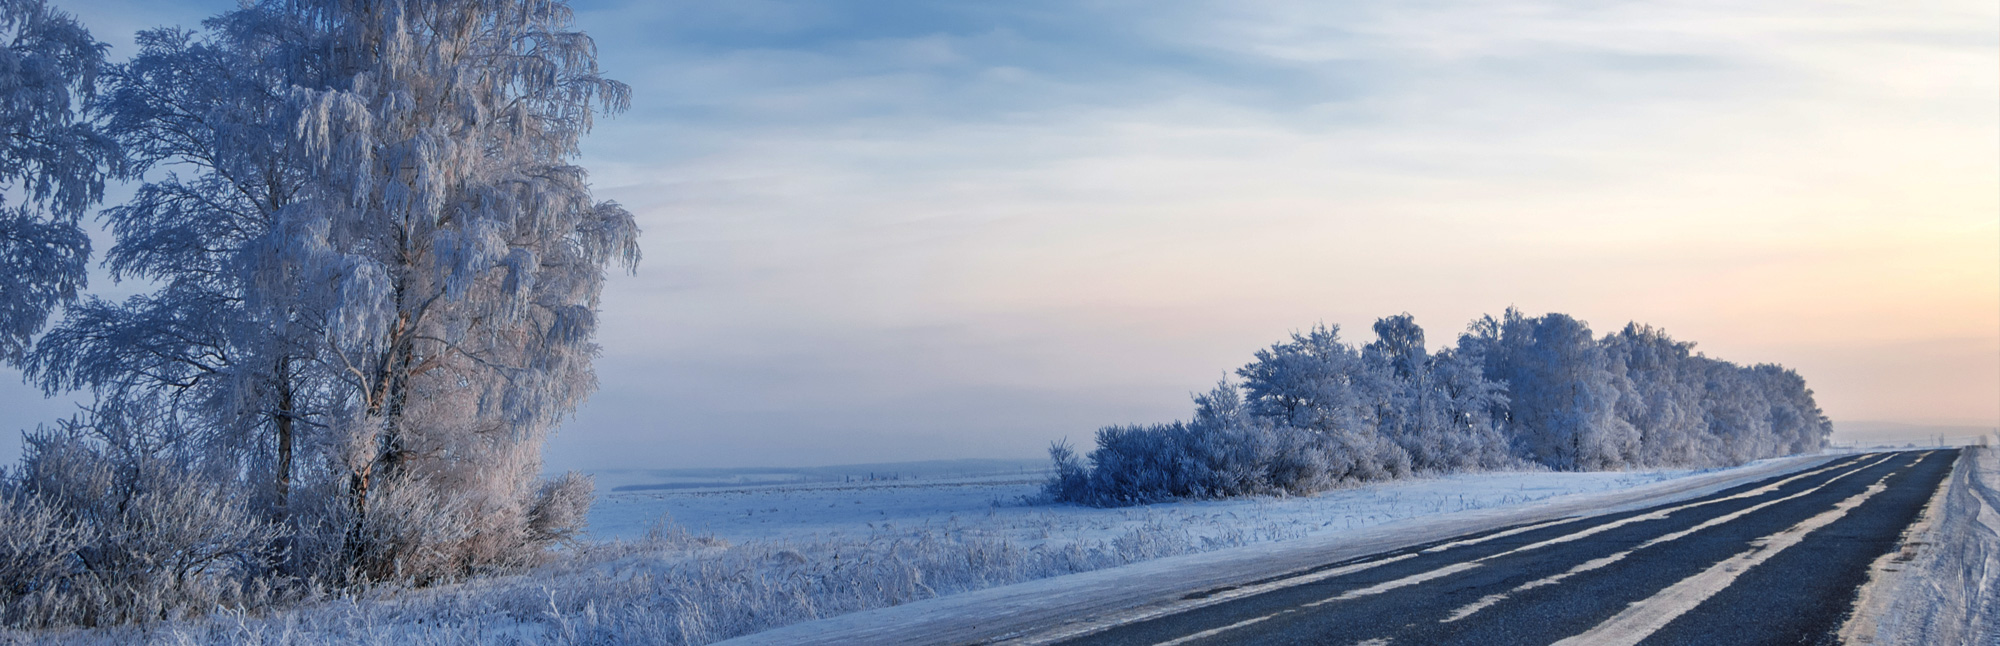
1942	584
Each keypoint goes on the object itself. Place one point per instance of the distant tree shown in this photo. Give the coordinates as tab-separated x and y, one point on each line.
52	165
1796	420
1738	413
1460	411
1561	390
1312	381
1437	408
1320	384
1399	343
1663	395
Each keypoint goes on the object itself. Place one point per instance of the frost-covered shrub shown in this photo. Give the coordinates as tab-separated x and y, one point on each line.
1224	452
414	533
678	588
561	508
108	520
38	546
95	537
1071	481
1141	464
476	508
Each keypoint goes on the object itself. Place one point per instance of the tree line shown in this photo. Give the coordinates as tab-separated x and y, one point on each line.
371	274
1315	412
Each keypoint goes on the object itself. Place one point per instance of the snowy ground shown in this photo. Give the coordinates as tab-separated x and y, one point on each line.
999	507
617	480
754	558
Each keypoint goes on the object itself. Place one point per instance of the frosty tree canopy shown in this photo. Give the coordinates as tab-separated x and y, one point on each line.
377	269
52	165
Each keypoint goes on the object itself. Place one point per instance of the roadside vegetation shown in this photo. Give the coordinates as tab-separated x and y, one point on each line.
1315	412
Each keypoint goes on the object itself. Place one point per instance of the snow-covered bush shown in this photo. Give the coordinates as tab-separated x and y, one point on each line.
38	545
98	535
1219	456
413	532
675	587
561	507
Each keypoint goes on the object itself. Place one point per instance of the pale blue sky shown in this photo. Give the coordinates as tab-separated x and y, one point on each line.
905	230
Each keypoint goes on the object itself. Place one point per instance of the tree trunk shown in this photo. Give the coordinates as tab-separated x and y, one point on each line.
387	403
285	419
357	500
393	451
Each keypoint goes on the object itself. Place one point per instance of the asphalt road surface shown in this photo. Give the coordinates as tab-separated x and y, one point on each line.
1778	561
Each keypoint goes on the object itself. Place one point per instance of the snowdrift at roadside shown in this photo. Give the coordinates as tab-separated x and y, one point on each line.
1943	586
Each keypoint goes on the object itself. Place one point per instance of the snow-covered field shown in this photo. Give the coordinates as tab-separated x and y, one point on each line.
699	566
1001	507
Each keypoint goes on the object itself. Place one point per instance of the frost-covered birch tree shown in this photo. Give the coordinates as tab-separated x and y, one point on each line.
378	267
129	510
52	165
456	255
206	123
